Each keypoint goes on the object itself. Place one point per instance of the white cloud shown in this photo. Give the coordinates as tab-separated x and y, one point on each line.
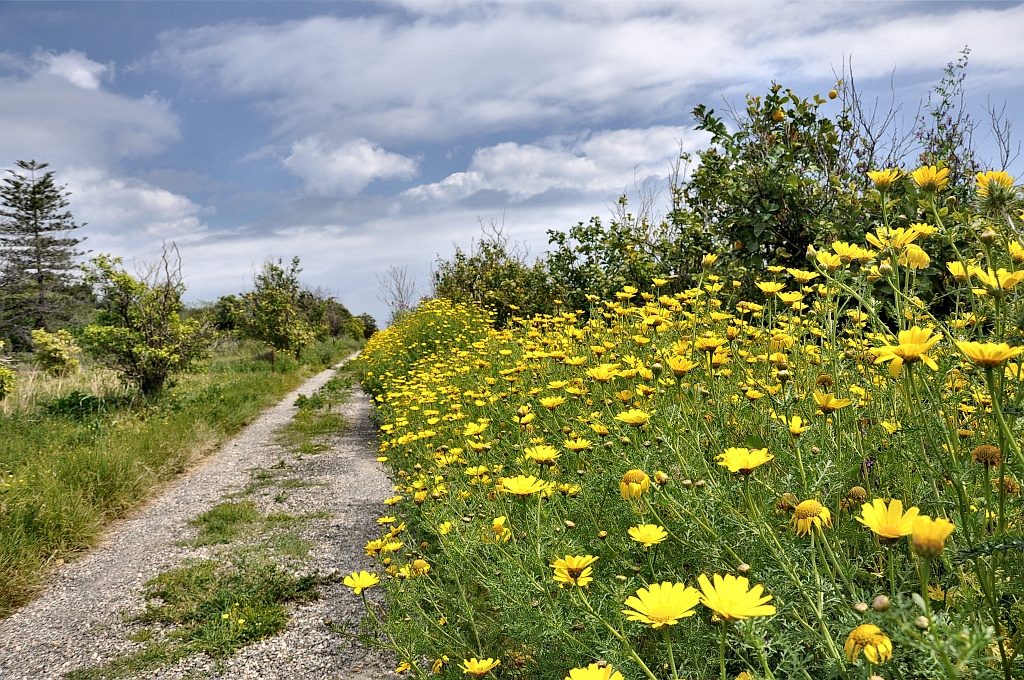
128	216
74	67
346	168
604	164
455	70
54	113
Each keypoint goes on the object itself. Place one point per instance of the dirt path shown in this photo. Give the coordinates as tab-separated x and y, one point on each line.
83	618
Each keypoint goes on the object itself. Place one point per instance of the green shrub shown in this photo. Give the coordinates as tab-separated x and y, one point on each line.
140	331
56	353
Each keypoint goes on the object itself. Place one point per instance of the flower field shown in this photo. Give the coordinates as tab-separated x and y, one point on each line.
814	476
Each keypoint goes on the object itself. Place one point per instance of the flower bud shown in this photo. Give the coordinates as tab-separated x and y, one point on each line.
880	603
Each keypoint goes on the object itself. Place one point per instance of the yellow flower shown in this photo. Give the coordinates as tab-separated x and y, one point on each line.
913	346
870	639
770	287
732	598
810	513
801	276
551	403
885	237
914	257
662	604
634	417
680	366
594	672
633	484
577	444
604	372
1001	279
359	581
1016	252
959	272
543	454
931	178
479	667
521	485
708	344
929	535
828	403
884	179
993	182
888	522
989	354
502	533
743	460
474	429
648	534
795	424
574	570
829	261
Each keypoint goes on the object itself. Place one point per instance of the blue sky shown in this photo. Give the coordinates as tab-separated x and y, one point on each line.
364	135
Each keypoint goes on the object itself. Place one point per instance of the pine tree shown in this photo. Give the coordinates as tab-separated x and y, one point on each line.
38	283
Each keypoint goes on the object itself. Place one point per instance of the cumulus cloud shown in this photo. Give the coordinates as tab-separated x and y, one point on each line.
74	67
128	216
345	168
603	163
54	108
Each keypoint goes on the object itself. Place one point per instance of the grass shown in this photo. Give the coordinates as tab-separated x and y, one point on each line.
214	607
218	605
222	523
81	451
316	420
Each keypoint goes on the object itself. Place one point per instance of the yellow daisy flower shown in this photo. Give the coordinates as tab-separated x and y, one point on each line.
732	598
888	522
870	639
662	604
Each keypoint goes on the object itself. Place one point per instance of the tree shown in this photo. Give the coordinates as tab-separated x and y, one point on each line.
397	291
496	275
140	330
369	325
37	256
272	311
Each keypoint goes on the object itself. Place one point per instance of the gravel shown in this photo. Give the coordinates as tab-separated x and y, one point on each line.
80	620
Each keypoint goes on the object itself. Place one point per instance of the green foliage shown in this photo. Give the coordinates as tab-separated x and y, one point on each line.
8	378
496	276
369	325
224	522
140	330
945	129
224	312
73	463
272	312
56	353
776	184
37	267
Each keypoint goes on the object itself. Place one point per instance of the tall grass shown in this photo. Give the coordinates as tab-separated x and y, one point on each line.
78	452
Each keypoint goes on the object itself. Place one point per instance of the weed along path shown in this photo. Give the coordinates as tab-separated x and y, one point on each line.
235	570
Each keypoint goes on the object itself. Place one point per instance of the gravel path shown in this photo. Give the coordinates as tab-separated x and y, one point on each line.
80	620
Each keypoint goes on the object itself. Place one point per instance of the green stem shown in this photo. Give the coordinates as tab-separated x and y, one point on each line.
721	651
616	634
671	658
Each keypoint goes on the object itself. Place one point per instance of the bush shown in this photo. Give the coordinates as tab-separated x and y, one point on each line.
140	331
8	378
56	353
272	312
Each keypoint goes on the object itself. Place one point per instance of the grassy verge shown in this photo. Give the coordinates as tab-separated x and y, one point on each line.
74	459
